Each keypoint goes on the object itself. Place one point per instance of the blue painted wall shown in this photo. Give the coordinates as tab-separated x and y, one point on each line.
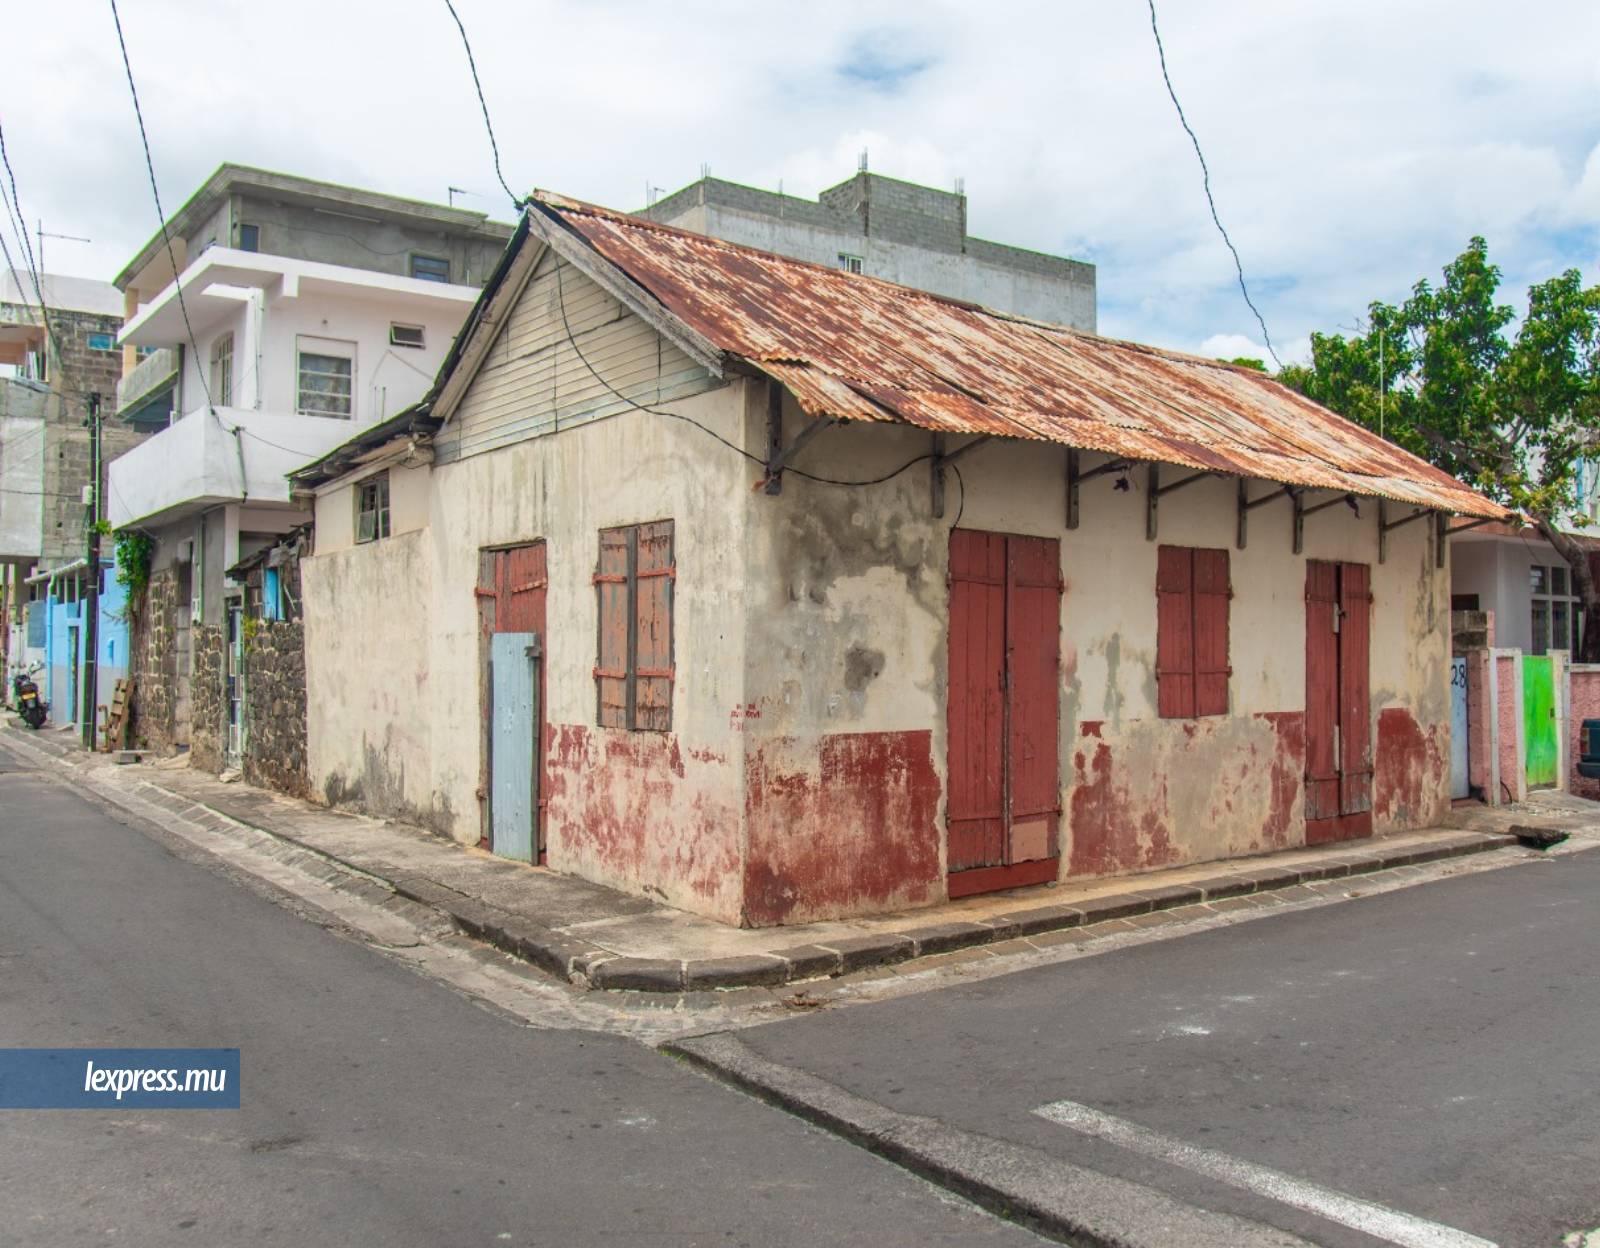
60	683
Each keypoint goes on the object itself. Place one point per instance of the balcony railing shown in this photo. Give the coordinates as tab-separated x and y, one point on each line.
153	372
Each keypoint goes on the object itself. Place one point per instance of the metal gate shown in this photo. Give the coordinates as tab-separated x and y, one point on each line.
1460	782
1004	807
1539	721
511	592
1338	704
513	761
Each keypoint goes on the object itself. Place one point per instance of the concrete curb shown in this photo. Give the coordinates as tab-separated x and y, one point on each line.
590	965
1048	1195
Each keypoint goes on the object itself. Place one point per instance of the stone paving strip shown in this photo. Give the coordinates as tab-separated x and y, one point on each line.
595	937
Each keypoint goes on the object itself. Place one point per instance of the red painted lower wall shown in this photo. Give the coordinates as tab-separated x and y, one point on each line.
848	825
636	811
1411	770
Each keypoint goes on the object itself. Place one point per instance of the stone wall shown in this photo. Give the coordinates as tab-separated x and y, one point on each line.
275	707
152	662
206	733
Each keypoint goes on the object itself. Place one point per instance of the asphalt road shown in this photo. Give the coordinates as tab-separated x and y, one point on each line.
379	1107
1434	1050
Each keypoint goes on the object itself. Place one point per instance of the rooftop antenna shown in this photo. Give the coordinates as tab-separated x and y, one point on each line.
43	234
652	193
453	191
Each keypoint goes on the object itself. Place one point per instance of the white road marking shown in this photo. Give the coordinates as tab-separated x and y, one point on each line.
1376	1220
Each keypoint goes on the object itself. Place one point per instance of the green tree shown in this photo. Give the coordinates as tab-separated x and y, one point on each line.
1516	415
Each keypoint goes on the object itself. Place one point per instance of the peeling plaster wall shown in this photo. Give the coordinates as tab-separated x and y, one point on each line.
646	812
393	651
844	719
373	702
848	641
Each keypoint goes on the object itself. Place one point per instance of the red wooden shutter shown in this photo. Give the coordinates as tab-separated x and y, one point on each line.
1355	705
1322	691
975	808
1211	598
1175	682
652	666
613	686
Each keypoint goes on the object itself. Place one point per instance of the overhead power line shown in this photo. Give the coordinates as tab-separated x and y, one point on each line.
517	201
1205	174
161	216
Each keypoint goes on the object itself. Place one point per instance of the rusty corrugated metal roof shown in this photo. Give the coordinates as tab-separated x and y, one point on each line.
857	348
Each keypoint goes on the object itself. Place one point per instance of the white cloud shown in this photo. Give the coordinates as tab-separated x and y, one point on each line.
1353	149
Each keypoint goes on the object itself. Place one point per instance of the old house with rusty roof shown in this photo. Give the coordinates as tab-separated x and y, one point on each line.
780	592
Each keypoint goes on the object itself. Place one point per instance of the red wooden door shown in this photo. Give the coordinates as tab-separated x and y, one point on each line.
1003	808
521	580
1338	703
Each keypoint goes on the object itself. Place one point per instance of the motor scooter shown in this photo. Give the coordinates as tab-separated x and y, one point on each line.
25	694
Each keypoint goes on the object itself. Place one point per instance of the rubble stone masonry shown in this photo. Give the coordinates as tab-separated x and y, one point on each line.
207	693
275	711
152	666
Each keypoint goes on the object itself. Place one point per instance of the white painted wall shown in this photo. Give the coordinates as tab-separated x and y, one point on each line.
21	502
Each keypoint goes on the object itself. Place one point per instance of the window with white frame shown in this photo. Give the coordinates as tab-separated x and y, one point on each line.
325	372
1557	614
372	508
222	371
851	263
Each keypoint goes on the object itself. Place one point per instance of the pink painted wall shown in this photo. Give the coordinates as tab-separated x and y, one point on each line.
1479	737
1585	705
1512	780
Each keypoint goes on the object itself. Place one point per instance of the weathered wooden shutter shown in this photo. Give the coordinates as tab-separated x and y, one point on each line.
1212	594
652	665
1175	666
613	686
1355	705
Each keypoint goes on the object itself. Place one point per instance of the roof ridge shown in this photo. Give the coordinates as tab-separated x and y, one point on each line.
565	203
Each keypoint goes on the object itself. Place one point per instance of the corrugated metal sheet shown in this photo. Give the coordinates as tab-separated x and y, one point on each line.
856	348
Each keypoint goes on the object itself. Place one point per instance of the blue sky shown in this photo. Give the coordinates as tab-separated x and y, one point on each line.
1353	147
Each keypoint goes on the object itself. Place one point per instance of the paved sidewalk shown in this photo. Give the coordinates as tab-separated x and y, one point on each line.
598	937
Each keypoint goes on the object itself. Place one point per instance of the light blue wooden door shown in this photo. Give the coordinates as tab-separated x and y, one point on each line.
513	778
1458	728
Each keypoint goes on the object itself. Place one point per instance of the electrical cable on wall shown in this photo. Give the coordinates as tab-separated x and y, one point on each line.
1205	175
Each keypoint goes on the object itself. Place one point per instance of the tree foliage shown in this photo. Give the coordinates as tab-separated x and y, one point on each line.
1513	410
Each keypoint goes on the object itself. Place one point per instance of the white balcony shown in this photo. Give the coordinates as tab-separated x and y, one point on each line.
235	455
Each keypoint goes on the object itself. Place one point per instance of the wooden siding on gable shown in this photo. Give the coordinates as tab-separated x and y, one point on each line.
533	382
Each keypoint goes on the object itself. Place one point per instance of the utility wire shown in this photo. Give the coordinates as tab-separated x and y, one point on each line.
1205	174
155	193
561	303
14	210
517	201
572	341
